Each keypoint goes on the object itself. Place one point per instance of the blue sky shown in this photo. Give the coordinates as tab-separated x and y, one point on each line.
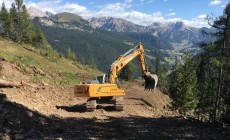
142	12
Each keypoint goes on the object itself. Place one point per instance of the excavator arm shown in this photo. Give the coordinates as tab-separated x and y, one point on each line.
123	60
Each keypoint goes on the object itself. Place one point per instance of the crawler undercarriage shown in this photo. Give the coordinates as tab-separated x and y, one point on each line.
117	102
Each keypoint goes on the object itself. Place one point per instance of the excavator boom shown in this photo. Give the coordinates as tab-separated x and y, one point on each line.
138	51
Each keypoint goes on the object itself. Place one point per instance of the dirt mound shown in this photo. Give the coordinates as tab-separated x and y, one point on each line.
154	98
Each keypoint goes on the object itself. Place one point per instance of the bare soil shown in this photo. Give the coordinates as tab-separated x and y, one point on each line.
44	111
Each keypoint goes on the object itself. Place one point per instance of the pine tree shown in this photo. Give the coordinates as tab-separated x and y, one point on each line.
28	31
83	60
161	72
38	38
127	72
183	86
6	22
175	83
70	54
16	15
15	23
18	26
213	73
205	92
189	89
92	63
225	82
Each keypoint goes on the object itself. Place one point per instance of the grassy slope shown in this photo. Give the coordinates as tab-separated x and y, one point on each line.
27	55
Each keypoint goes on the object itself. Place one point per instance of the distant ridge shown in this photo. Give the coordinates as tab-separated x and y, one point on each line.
34	12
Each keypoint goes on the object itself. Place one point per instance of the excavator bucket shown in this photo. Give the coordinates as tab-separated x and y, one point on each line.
150	81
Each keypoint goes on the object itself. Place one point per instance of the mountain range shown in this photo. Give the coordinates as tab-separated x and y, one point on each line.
173	32
166	39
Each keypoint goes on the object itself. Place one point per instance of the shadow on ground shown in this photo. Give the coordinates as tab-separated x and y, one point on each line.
82	109
17	120
76	108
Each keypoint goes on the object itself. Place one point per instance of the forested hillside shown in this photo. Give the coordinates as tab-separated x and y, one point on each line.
100	48
95	47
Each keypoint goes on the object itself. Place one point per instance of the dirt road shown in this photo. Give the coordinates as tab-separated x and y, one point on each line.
52	112
43	111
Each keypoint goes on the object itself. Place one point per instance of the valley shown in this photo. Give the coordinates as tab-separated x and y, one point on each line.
165	41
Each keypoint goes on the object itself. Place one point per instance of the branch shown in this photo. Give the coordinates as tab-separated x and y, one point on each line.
5	84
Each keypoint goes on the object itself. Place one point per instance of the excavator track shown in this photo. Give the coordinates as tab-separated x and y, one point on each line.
119	103
91	105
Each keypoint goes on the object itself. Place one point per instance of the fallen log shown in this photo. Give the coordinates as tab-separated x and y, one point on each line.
7	84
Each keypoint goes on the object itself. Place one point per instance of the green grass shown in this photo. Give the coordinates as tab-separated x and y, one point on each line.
27	55
39	79
51	63
28	60
66	79
72	78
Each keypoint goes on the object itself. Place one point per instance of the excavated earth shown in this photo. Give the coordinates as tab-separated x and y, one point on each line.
44	111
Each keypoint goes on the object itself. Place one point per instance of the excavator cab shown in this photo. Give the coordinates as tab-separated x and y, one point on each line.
102	78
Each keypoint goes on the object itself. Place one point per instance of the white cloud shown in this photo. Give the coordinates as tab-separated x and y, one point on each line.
118	10
171	14
72	7
143	19
201	17
199	21
215	2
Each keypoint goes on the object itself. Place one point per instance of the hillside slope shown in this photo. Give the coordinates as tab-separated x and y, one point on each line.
40	66
44	107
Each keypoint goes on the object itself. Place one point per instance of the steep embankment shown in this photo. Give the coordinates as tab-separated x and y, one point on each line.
43	106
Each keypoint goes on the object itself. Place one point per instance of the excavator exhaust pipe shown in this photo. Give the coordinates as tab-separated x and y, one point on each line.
150	81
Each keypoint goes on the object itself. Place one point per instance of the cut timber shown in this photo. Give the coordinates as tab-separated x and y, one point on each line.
5	84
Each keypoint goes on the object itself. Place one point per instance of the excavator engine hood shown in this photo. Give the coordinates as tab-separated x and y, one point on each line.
150	81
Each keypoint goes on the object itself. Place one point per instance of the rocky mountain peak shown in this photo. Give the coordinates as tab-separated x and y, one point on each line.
34	12
177	25
114	24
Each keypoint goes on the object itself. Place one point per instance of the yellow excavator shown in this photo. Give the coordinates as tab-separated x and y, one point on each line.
104	88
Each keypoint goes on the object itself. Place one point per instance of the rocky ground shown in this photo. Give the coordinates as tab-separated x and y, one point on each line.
45	111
